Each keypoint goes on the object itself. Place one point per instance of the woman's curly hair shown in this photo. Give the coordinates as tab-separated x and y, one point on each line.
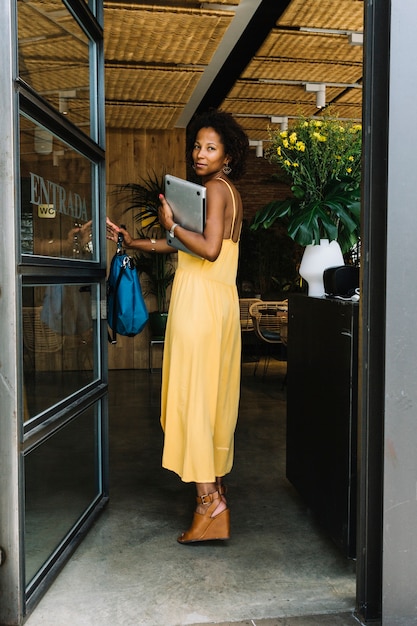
234	138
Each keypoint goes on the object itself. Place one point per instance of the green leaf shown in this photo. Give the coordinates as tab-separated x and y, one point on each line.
298	192
274	210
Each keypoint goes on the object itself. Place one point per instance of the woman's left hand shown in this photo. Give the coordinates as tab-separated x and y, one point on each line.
165	214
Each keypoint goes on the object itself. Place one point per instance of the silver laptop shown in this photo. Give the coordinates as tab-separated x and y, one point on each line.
188	203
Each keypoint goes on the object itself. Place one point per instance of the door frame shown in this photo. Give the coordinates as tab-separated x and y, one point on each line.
17	437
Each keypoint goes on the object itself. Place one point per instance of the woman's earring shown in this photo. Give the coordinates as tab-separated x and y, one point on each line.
226	169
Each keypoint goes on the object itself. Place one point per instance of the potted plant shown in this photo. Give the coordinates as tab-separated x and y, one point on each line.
143	198
321	160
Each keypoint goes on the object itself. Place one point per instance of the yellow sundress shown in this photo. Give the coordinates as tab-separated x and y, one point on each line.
201	366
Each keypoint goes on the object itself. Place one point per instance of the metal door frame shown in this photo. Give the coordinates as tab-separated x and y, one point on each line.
15	440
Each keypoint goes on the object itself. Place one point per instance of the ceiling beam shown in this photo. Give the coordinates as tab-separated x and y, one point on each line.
253	21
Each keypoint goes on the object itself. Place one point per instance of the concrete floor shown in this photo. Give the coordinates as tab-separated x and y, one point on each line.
277	569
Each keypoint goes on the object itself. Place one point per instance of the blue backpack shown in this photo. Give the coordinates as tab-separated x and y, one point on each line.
126	309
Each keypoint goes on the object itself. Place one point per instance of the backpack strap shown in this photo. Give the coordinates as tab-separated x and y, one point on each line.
119	251
113	337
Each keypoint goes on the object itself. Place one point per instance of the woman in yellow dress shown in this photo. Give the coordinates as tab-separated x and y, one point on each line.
202	354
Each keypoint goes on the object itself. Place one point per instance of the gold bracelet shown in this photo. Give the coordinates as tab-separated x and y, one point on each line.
153	242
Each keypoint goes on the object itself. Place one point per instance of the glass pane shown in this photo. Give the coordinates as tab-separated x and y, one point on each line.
56	196
54	58
60	354
60	483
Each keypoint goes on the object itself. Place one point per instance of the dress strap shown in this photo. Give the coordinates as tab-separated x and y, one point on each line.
234	207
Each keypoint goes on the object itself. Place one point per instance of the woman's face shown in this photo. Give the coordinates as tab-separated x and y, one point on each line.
208	153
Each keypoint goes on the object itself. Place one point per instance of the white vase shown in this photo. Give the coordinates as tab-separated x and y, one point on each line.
315	260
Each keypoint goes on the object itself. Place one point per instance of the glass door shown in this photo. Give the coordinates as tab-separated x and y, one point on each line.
54	425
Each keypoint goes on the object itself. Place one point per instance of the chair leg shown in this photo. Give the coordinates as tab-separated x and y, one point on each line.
257	358
257	362
266	362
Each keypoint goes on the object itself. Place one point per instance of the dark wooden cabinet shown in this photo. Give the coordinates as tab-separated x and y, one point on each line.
322	412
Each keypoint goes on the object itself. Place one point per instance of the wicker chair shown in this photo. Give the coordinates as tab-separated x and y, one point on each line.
249	341
246	322
267	318
38	338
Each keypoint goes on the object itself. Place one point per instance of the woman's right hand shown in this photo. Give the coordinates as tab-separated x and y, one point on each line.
113	231
144	244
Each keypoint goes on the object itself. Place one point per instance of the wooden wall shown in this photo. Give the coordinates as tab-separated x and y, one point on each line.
130	156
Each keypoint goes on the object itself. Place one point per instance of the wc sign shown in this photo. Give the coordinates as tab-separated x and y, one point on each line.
46	210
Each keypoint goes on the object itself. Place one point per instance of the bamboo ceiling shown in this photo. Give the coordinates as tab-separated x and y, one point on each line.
154	62
162	58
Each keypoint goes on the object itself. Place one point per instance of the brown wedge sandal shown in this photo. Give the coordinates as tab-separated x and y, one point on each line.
222	489
204	526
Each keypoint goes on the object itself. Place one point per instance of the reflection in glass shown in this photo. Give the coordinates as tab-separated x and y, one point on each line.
60	483
54	58
56	196
59	343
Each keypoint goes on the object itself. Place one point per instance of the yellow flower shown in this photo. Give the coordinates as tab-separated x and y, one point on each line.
319	137
311	144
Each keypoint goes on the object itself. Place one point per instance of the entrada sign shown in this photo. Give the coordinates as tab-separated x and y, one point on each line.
48	194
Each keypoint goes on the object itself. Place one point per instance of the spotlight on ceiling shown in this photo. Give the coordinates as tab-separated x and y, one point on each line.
320	91
259	147
43	141
64	97
355	39
282	120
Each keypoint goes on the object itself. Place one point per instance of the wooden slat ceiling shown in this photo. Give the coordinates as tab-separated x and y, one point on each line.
165	60
169	49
